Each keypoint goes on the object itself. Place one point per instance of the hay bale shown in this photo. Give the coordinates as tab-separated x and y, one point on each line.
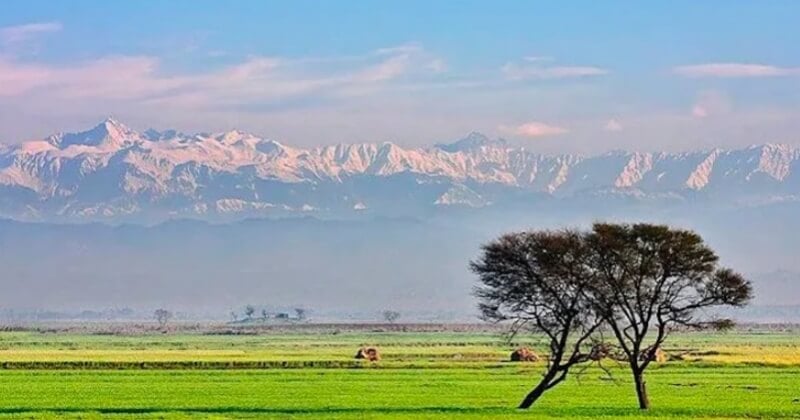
654	355
368	353
660	356
524	354
599	352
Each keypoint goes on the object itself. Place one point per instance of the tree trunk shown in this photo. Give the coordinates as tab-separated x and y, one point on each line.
641	389
535	394
540	389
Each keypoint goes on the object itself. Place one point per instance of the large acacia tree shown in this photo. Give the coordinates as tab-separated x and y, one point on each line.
538	282
652	278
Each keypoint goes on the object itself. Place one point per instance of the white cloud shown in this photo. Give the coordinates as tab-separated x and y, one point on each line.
710	103
253	67
735	70
409	48
21	33
387	69
533	68
534	129
613	125
538	58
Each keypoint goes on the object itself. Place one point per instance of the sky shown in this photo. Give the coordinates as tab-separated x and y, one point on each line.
576	76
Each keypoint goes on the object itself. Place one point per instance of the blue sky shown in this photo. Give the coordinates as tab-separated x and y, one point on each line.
558	76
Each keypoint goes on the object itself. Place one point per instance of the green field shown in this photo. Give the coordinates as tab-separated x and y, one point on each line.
311	374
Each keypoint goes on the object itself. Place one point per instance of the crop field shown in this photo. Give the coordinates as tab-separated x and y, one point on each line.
311	374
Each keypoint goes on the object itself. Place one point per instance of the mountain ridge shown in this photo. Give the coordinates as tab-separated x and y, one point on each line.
114	172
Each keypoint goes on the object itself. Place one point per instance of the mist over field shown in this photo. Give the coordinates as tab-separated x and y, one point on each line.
342	270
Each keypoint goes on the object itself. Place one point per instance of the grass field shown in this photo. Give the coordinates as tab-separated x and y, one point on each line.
427	375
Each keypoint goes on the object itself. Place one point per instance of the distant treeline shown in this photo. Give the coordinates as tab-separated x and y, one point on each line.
760	314
123	314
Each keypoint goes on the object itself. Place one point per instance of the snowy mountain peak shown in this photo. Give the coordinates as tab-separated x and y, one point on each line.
233	137
777	160
155	135
111	121
108	134
473	141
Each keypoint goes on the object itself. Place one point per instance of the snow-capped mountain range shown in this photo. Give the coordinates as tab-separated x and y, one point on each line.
113	172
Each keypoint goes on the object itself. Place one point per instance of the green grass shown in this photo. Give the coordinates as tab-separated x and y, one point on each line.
423	376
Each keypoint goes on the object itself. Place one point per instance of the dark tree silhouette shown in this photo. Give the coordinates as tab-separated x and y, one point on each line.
538	281
162	316
652	278
249	310
300	313
391	316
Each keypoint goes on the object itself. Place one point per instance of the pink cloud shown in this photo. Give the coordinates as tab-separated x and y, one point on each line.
534	129
613	125
699	111
16	79
710	103
254	80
